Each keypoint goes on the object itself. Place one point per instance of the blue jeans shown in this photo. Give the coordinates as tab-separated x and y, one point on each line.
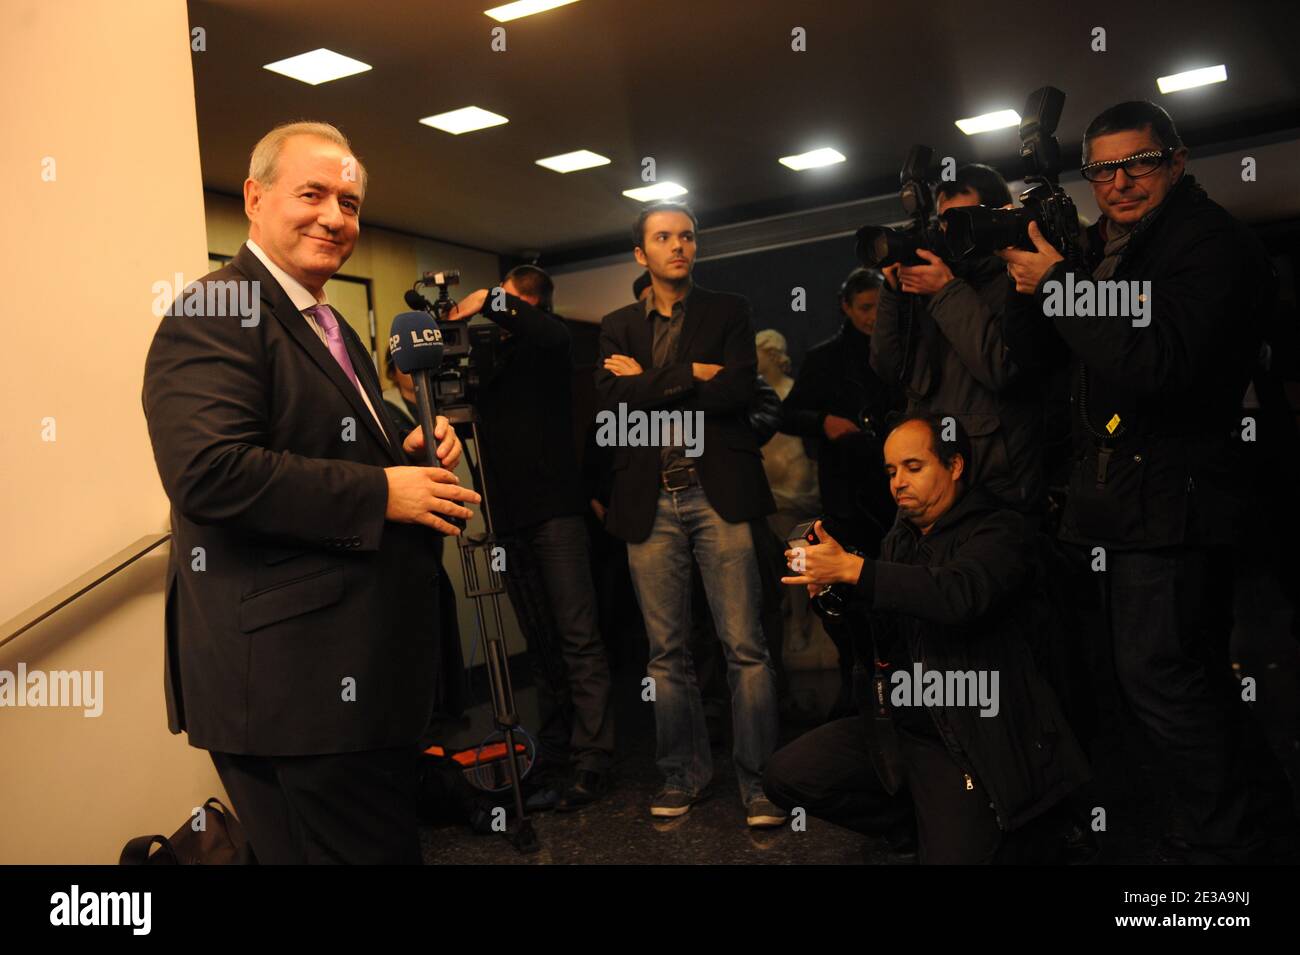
686	524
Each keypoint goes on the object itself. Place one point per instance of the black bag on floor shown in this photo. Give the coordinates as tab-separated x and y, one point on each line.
220	842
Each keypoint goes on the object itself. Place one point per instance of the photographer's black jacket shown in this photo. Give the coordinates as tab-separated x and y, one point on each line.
951	356
525	406
1176	384
964	597
836	378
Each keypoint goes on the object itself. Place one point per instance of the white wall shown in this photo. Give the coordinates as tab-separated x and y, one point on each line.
104	90
591	290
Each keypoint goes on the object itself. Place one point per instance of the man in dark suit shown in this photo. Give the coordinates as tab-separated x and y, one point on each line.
302	610
689	352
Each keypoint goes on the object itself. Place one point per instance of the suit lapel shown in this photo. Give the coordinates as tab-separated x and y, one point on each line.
281	306
364	366
691	323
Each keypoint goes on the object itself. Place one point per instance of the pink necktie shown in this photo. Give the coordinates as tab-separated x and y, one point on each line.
334	338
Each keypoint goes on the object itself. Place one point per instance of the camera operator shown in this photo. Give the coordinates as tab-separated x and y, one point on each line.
950	593
949	352
538	504
837	403
1152	488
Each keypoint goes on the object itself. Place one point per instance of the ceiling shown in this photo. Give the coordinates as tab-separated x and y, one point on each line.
711	90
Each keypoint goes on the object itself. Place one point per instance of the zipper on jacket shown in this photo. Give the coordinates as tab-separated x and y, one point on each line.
969	783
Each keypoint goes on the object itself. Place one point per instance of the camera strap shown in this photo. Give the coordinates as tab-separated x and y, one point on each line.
882	735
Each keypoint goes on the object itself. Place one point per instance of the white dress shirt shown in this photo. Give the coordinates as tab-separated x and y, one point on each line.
303	300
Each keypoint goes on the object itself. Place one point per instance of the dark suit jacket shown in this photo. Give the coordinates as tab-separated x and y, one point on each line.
717	331
303	585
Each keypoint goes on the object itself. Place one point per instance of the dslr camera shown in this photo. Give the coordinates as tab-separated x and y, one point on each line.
978	230
833	599
880	246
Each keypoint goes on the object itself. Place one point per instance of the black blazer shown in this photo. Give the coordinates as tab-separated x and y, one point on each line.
717	331
285	586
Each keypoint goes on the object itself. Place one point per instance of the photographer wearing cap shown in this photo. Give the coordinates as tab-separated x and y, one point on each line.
1156	397
538	505
950	604
949	352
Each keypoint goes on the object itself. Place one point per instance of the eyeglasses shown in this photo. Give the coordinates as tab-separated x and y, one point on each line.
1135	166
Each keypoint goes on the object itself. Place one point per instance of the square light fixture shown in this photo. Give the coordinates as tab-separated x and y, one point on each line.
524	8
318	66
988	121
659	190
464	120
1192	79
812	159
572	162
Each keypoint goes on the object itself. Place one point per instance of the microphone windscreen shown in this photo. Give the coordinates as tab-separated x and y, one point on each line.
415	300
416	342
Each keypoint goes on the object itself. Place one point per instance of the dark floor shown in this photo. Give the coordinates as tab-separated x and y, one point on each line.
620	830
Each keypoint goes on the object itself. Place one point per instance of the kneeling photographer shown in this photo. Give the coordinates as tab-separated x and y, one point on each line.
961	732
525	405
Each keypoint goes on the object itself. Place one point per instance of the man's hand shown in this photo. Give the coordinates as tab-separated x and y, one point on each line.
925	279
469	306
418	495
449	447
598	509
890	273
837	427
824	563
704	371
622	365
1028	268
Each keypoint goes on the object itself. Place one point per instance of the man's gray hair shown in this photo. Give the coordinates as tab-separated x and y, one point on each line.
262	165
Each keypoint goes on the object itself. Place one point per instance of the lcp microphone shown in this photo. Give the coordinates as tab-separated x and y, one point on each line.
417	347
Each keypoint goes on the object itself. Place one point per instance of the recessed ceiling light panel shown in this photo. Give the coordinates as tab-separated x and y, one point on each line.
464	120
318	66
659	190
572	162
989	121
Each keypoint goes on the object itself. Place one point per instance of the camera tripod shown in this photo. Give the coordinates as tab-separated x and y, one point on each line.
487	586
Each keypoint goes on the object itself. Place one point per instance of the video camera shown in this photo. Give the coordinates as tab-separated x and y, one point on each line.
470	352
978	230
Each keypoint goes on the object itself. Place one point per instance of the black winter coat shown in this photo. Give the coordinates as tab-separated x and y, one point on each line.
1176	385
836	379
963	597
951	355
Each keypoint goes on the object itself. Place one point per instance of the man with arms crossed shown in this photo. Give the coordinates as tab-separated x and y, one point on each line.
690	349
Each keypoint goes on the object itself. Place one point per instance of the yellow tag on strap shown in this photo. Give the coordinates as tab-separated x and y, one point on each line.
1112	424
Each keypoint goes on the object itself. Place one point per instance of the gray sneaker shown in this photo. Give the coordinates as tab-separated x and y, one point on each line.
668	803
763	814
